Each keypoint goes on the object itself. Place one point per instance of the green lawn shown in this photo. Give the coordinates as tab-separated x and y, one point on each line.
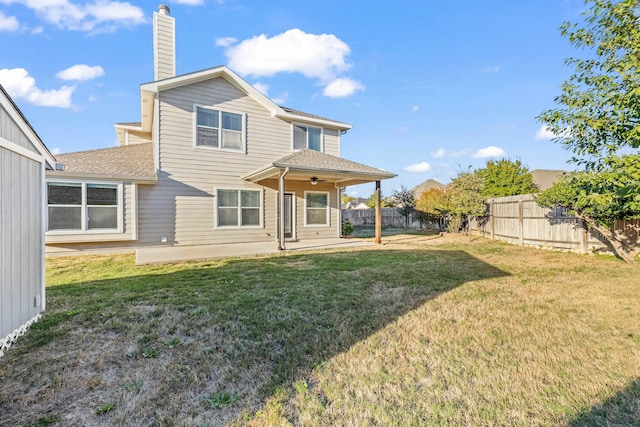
424	330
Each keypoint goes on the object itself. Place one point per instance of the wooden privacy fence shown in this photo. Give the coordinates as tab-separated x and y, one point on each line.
520	220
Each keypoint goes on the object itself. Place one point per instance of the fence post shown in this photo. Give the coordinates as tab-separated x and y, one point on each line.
491	213
520	223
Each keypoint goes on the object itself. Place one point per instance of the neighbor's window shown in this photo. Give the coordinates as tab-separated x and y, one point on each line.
238	208
219	129
316	208
83	206
307	137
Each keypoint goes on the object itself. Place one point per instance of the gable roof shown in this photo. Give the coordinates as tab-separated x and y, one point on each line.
306	163
424	186
149	90
129	162
21	121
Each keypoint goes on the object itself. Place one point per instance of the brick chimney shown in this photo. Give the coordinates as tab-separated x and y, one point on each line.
164	44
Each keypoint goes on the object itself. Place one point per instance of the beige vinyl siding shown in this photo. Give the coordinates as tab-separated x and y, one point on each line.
181	206
134	137
313	232
21	259
81	241
332	142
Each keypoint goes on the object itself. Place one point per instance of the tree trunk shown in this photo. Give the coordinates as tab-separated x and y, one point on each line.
611	239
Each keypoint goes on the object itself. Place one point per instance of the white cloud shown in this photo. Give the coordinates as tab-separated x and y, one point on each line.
282	99
190	2
8	23
262	88
490	151
441	153
418	167
545	133
100	15
55	151
20	84
81	72
415	108
342	87
226	41
438	154
316	56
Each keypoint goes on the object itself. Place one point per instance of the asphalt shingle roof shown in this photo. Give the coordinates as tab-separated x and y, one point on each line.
134	161
317	161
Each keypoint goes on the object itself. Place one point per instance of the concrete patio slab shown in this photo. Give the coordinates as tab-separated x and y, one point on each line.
189	253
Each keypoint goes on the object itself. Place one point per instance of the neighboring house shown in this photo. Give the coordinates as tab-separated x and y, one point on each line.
545	178
206	165
426	185
23	160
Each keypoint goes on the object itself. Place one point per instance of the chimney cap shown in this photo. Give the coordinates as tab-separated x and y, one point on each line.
163	9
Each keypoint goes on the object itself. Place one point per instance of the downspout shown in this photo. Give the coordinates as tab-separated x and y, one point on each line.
339	209
281	246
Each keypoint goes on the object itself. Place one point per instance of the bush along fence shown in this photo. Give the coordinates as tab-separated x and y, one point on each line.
519	220
391	217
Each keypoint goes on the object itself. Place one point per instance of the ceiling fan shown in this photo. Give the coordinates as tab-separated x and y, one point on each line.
314	180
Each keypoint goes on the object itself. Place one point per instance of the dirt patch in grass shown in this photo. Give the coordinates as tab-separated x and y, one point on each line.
426	330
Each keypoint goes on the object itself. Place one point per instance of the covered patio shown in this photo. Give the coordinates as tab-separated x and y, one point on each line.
310	167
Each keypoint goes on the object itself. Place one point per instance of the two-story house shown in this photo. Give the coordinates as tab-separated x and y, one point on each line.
212	161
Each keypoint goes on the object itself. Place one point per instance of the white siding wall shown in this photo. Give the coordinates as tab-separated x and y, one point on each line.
10	131
181	206
21	240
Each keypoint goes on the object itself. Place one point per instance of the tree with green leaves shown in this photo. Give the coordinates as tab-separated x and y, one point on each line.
599	106
599	117
433	204
465	192
599	198
506	178
405	203
371	201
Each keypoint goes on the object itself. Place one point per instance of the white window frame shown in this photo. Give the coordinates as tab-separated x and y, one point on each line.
294	213
328	209
304	125
84	208
239	226
243	136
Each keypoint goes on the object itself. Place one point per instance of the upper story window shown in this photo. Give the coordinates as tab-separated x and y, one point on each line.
307	137
82	206
219	129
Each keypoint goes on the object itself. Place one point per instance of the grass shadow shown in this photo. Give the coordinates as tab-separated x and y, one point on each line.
622	409
243	329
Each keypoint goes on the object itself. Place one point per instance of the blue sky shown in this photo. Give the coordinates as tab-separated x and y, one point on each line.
429	87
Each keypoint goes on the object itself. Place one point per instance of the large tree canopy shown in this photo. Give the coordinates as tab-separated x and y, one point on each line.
599	107
506	178
601	198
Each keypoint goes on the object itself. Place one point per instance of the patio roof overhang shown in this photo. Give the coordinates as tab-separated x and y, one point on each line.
305	164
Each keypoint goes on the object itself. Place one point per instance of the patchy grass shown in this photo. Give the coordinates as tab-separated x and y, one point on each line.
426	330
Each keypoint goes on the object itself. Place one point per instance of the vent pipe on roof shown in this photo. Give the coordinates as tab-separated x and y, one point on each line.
164	44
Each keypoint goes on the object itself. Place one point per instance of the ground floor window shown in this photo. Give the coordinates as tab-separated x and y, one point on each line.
316	208
239	208
83	206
